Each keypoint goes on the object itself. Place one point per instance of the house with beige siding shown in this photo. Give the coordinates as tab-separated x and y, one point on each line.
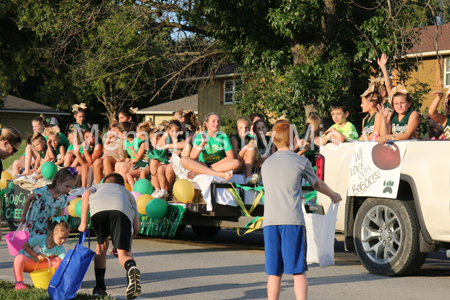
434	65
19	113
218	91
164	111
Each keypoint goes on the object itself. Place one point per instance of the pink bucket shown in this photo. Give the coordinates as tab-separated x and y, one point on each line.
15	240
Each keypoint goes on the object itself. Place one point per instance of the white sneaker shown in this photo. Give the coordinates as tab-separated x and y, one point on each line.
155	193
252	180
163	194
29	179
34	175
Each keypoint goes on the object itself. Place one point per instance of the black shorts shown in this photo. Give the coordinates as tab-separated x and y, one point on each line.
114	224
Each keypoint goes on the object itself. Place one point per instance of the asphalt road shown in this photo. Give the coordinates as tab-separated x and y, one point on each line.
232	267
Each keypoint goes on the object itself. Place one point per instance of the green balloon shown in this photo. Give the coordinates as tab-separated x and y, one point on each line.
143	186
78	210
156	208
48	170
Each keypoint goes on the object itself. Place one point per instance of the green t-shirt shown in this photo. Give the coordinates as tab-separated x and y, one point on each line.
215	149
39	240
136	144
349	131
62	140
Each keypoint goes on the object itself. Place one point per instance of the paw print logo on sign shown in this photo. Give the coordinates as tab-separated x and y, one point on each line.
388	187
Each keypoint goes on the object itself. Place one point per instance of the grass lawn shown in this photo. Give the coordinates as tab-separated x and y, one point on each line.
7	292
7	162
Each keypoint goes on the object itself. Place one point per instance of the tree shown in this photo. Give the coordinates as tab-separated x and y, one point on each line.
120	52
298	57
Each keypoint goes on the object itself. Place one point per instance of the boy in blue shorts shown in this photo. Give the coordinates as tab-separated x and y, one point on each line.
113	214
284	225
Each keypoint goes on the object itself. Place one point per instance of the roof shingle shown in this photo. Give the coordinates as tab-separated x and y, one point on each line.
187	103
428	39
13	103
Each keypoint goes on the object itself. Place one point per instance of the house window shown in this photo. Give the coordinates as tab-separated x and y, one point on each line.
231	91
447	72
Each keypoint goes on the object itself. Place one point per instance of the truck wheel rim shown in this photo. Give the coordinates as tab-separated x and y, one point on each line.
381	234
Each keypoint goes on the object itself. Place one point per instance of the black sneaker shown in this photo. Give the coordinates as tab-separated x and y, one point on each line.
99	292
134	283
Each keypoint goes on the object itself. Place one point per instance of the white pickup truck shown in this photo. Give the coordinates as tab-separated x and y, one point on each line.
391	235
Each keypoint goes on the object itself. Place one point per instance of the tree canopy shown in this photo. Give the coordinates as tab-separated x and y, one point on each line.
296	56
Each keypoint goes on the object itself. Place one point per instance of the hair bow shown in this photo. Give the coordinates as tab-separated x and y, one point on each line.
399	89
133	110
73	171
282	117
369	90
58	219
54	129
187	111
75	107
376	80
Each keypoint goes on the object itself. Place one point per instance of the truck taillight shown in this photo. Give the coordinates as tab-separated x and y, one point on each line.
320	165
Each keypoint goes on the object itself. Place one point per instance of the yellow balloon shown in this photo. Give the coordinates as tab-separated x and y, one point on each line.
141	203
71	207
127	186
5	176
183	190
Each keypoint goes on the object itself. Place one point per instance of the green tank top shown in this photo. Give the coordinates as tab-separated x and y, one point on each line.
180	138
369	122
43	152
400	126
56	151
262	148
241	144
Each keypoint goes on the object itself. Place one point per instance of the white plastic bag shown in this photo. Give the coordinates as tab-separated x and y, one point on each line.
320	231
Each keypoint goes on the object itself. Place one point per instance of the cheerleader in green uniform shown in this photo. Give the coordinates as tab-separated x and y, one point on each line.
55	150
143	133
438	117
244	148
79	113
265	146
131	143
90	150
403	123
175	141
371	123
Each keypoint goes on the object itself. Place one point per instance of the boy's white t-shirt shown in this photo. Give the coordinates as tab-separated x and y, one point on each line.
112	196
283	172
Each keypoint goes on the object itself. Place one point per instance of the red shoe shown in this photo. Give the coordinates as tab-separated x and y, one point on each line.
20	286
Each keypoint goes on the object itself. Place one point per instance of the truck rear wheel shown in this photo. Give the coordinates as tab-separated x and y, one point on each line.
386	237
205	231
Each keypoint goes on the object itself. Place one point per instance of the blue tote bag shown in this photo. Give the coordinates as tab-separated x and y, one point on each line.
70	273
